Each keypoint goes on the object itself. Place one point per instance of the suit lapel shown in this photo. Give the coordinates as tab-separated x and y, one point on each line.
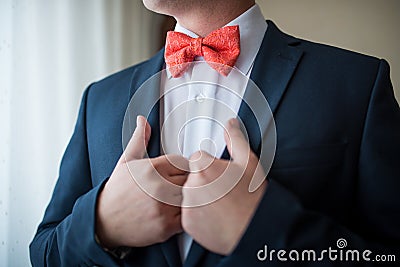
198	255
273	68
146	102
196	252
275	64
171	252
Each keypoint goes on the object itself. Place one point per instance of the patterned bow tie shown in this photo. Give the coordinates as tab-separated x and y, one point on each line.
220	49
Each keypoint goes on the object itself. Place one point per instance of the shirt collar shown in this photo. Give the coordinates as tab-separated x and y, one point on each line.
252	27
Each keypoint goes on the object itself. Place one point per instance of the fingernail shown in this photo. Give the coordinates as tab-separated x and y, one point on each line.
234	123
139	122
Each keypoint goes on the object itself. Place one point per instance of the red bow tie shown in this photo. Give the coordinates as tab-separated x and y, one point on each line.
221	46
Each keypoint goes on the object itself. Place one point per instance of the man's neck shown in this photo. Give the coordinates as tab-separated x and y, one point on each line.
206	20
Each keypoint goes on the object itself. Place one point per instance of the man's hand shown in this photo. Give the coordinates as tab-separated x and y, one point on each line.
127	216
218	226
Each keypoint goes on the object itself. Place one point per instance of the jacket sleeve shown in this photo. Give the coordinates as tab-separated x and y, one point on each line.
66	236
282	222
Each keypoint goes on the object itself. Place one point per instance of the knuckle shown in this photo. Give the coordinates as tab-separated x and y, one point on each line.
159	190
177	162
198	161
172	226
157	186
148	170
191	178
195	179
155	212
156	162
196	156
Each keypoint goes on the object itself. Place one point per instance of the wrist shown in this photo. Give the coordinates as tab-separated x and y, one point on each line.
103	238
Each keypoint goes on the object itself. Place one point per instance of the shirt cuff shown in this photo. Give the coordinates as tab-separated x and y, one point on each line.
119	252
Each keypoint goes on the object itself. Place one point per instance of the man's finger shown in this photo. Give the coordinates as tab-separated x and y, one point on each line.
199	161
176	164
177	179
136	147
237	145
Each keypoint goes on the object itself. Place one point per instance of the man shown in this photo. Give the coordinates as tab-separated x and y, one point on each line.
335	175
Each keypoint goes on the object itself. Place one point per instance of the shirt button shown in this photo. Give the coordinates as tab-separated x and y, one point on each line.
200	98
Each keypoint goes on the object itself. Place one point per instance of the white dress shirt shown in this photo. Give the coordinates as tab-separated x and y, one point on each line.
193	114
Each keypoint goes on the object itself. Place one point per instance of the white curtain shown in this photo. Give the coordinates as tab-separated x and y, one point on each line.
50	50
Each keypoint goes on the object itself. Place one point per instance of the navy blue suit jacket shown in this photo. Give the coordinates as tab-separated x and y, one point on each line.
336	172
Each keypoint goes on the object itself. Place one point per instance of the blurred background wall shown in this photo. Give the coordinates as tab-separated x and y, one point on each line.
50	50
367	26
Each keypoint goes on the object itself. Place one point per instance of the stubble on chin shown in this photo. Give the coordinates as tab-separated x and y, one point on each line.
173	7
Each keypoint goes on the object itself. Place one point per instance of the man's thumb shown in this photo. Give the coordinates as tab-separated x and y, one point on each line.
136	147
237	145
